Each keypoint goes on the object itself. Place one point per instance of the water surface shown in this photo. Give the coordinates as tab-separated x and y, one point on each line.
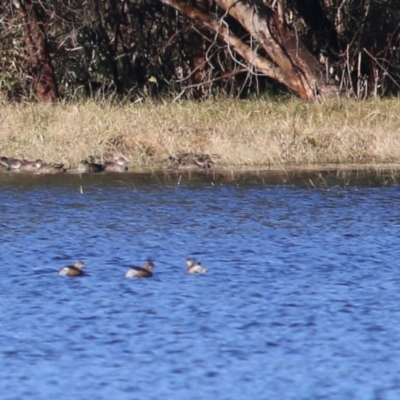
301	300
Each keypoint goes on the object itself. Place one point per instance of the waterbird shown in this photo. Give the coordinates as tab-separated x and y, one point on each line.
30	166
44	168
73	270
192	161
85	166
4	164
14	164
119	165
194	267
141	272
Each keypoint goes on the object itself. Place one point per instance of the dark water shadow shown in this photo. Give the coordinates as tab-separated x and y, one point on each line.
314	177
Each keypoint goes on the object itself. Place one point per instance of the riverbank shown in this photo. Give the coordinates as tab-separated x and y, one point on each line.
242	133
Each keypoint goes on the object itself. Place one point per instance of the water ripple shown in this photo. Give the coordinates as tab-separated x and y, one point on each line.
301	301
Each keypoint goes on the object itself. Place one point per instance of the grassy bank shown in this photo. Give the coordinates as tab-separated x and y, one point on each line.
243	133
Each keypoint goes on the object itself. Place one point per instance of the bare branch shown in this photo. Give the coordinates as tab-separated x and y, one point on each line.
263	65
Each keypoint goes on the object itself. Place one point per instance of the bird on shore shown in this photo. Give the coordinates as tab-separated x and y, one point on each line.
52	168
192	161
194	267
86	166
14	164
4	166
141	272
30	166
119	165
73	270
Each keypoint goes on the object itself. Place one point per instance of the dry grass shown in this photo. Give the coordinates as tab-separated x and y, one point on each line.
243	133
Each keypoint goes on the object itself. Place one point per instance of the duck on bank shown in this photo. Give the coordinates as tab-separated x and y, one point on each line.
15	164
86	166
4	166
31	166
184	161
37	166
119	165
51	168
187	161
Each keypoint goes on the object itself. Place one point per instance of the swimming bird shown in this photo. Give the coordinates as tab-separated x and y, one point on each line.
73	270
141	272
194	267
119	165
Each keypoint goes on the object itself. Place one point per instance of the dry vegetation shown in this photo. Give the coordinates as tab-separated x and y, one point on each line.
244	133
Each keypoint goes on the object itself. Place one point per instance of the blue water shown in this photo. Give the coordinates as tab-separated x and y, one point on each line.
301	301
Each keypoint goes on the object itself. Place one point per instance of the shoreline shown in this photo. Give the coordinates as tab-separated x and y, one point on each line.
259	134
298	168
325	177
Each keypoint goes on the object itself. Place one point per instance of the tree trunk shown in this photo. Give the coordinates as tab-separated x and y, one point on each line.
292	64
263	65
197	53
44	80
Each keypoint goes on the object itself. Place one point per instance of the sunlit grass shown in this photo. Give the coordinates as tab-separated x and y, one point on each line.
243	133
